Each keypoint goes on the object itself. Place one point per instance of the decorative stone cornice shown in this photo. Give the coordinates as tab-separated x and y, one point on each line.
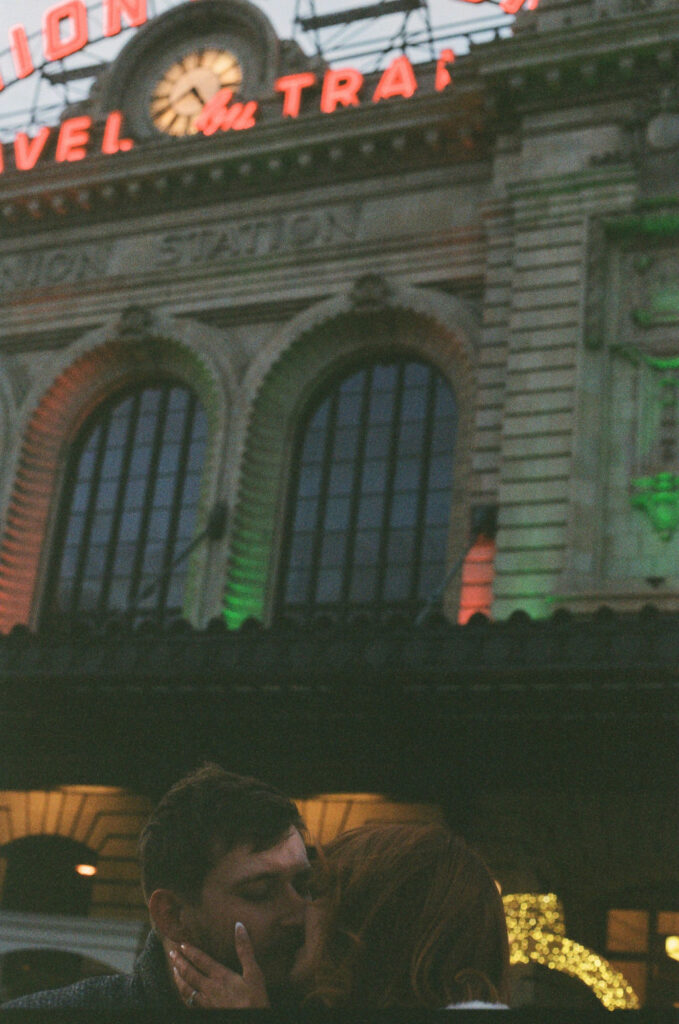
392	137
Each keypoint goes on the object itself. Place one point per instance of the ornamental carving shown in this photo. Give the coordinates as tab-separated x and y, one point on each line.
136	322
370	293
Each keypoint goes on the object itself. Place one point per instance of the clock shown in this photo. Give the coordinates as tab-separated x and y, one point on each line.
163	77
187	84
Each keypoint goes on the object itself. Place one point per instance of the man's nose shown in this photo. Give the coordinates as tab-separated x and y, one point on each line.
294	908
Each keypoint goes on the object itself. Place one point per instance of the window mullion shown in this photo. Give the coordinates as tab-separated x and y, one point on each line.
147	506
355	499
422	488
324	487
392	458
119	507
95	483
176	506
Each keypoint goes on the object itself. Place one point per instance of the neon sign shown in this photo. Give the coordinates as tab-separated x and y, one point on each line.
340	88
510	6
65	28
65	31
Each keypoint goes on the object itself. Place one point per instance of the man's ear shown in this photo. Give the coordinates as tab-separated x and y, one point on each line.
168	913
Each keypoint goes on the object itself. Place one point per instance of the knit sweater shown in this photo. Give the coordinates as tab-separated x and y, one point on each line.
147	989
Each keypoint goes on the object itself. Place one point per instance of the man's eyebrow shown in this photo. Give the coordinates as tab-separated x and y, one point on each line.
260	876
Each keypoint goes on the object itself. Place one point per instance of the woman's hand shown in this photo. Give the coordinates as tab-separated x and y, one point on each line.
208	985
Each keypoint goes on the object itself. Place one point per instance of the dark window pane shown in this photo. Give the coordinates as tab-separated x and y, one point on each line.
75	528
404	509
414	405
141	461
374	476
367	546
381	407
164	491
305	515
417	375
310	480
297	585
313	447
411	439
401	547
384	377
346	441
349	409
369	513
407	475
333	549
179	399
440	471
135	477
363	584
112	463
370	510
337	513
341	478
438	508
106	495
328	586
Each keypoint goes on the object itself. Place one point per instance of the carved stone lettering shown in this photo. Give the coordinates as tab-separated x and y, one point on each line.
53	267
261	237
249	238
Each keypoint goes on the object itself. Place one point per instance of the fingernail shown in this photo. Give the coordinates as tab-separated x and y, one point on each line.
173	954
240	928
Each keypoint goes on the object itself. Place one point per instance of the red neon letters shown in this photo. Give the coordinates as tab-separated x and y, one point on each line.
72	143
73	15
218	116
511	6
443	76
134	10
65	30
340	88
397	80
291	86
21	54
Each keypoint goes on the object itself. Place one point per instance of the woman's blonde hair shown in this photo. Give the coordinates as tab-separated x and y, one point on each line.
411	917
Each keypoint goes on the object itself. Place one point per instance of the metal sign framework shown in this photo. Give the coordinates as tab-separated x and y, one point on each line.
365	36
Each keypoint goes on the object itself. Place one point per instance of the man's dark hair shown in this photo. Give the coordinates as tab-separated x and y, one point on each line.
202	817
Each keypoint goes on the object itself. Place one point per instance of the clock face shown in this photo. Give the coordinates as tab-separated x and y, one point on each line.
185	87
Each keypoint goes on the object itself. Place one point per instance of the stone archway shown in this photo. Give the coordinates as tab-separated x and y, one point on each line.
141	347
373	319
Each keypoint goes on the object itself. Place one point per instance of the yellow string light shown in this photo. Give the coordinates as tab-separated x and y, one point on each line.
537	932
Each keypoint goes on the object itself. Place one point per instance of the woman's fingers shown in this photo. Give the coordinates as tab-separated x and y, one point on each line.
200	960
204	982
187	972
187	993
246	953
252	974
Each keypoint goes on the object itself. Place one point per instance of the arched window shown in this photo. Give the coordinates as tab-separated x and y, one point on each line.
367	525
47	874
128	512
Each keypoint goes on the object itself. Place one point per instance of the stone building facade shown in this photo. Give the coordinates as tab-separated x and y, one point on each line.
497	231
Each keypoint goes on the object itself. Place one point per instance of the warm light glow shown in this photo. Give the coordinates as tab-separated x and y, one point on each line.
537	932
672	946
329	814
87	870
